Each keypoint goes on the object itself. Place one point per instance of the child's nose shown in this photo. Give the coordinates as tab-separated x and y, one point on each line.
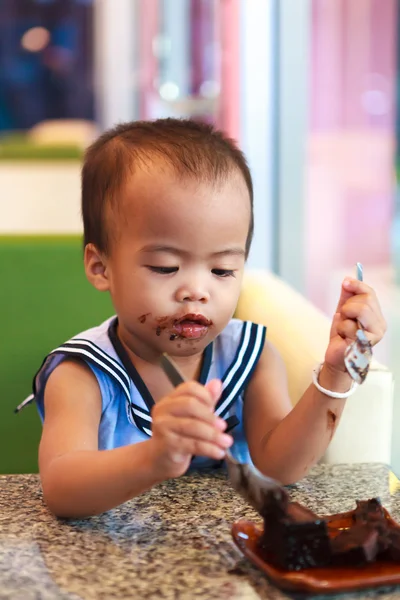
192	293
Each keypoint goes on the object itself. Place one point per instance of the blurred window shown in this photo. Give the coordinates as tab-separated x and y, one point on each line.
46	61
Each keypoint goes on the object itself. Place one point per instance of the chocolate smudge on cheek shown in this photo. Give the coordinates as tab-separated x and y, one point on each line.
162	321
143	318
162	324
173	337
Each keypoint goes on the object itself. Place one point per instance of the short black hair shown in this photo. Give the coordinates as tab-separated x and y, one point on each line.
191	148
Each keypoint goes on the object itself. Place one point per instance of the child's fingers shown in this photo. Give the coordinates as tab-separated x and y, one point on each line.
190	447
367	312
355	286
344	296
196	390
337	317
358	308
185	437
368	315
351	287
188	406
347	329
200	448
198	431
215	389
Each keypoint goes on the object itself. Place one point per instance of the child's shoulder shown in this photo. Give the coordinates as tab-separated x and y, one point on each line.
235	356
95	347
240	332
240	343
96	335
92	346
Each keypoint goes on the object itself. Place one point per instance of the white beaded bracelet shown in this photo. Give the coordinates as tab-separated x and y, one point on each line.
329	393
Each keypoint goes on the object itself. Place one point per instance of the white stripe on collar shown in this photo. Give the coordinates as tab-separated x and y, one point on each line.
239	359
90	344
103	365
247	369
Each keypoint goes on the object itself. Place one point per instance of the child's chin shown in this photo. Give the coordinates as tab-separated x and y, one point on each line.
186	346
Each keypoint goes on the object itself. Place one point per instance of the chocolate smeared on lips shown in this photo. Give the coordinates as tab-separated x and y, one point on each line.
191	326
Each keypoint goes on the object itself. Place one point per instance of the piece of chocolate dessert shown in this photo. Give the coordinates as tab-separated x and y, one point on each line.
368	511
365	510
366	539
355	546
296	538
392	550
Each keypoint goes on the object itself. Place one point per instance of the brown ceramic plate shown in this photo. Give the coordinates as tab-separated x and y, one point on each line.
320	580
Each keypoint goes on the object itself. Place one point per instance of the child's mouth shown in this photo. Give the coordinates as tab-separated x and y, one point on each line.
191	326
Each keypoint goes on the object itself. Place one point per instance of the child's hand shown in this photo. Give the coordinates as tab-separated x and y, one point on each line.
184	424
358	302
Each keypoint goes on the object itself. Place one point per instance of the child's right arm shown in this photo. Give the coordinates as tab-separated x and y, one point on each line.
79	480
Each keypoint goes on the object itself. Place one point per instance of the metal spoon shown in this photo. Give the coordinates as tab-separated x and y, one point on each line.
245	478
258	489
358	355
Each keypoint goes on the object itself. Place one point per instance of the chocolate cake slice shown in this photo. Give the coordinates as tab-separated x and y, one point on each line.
355	546
368	511
393	546
295	538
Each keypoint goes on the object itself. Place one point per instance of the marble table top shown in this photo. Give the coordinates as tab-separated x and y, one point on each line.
172	542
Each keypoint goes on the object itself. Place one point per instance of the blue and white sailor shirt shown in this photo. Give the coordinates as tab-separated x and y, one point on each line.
126	401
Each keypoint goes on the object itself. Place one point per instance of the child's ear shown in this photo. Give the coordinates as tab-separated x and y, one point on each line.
96	268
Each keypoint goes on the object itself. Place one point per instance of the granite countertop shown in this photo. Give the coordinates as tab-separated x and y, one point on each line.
172	542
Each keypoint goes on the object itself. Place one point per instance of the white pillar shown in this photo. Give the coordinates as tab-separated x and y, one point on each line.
258	120
116	76
294	33
176	17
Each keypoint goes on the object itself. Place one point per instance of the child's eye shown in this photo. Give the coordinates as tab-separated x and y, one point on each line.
223	272
163	270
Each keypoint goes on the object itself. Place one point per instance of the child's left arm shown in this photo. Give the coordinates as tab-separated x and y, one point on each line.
284	442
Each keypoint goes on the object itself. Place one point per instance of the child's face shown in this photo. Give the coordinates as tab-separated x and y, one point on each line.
176	268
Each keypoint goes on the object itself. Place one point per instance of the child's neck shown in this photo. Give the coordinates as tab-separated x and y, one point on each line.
146	362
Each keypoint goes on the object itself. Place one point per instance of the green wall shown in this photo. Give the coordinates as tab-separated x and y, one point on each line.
44	300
